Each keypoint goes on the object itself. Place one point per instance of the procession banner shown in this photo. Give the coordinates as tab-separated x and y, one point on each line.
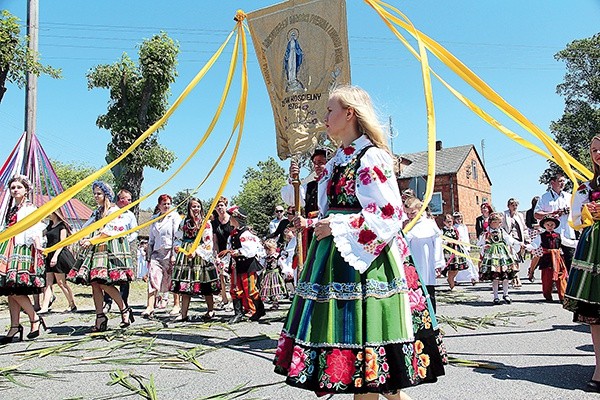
302	50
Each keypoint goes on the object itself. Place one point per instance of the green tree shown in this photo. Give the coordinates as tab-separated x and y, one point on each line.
16	59
261	193
138	98
71	173
581	89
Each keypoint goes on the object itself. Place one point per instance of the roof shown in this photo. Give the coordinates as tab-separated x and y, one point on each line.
448	161
82	211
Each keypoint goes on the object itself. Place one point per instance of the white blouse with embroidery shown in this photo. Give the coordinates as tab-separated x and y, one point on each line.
362	236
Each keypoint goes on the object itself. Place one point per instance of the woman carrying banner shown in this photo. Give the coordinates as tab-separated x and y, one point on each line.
360	321
21	263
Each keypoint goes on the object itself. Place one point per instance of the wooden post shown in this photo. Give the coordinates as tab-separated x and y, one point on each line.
296	185
31	85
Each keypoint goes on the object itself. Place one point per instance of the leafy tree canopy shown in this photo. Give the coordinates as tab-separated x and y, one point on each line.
581	90
138	98
71	173
260	193
16	59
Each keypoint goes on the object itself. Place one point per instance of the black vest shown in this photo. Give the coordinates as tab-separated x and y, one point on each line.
242	264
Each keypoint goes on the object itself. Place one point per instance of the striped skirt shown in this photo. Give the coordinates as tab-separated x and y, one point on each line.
348	332
194	276
582	296
272	284
22	269
109	263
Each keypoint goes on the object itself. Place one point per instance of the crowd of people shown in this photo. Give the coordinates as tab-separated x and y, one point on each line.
362	315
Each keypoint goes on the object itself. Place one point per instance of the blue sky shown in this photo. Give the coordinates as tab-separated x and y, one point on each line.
508	43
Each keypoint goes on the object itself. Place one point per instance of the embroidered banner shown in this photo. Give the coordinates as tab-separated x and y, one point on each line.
302	50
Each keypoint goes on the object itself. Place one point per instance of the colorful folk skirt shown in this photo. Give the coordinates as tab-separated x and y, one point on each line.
272	284
22	270
194	276
455	262
582	296
348	332
108	263
497	263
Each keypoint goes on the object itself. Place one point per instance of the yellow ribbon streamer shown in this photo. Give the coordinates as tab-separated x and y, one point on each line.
458	253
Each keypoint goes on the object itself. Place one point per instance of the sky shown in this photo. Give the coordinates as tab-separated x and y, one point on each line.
510	44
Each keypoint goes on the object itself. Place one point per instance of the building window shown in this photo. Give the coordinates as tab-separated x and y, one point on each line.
477	200
474	169
436	205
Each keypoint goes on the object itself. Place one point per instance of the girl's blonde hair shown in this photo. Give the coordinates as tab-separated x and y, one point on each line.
270	244
368	124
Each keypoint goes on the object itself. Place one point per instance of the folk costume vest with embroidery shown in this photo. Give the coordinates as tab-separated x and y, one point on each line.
341	194
242	264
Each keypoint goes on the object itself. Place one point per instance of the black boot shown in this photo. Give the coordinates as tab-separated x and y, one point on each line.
260	310
238	309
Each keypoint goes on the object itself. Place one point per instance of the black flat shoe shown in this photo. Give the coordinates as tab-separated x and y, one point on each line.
507	299
593	386
496	302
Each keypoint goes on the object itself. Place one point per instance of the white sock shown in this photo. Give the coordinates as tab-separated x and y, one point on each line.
505	287
495	284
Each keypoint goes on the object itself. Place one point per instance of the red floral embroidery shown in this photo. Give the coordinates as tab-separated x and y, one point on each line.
366	236
349	187
348	150
412	278
340	366
595	196
417	300
380	174
357	222
114	275
298	359
24	278
371	208
283	354
388	211
364	176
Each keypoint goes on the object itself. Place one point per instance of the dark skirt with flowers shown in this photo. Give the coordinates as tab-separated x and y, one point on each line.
22	270
497	263
194	276
582	296
455	262
109	263
348	332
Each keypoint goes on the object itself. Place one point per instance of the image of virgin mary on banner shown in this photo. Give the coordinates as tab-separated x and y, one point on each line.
302	50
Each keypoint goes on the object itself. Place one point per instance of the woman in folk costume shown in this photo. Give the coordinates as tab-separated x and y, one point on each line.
195	274
583	288
455	260
22	269
360	321
497	263
106	264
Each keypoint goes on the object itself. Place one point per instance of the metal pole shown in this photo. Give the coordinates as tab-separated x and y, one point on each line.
31	86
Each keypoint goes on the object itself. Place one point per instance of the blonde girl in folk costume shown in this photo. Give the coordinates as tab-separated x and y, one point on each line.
21	263
455	261
497	263
104	265
583	288
195	274
358	274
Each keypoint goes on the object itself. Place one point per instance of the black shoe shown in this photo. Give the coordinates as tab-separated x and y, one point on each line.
182	319
593	386
10	339
260	310
148	315
36	333
127	317
507	299
496	301
209	316
101	323
239	312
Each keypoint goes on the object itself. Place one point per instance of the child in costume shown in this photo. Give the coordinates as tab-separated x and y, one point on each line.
551	262
455	261
497	263
273	284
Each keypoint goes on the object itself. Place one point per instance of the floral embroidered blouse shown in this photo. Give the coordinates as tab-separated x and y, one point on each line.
28	236
187	234
111	228
363	181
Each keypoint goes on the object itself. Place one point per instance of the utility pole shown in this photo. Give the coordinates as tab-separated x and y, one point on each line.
33	24
483	151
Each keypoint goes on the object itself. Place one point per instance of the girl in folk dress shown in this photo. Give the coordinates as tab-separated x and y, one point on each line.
104	265
195	274
359	274
273	284
455	261
21	263
497	263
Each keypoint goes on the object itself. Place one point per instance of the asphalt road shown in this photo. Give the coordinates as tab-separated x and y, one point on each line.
540	354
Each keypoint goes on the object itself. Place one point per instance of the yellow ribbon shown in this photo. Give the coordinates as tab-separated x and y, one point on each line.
454	241
458	253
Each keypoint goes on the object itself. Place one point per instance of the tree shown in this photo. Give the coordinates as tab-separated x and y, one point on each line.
16	59
581	90
261	193
138	98
70	173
